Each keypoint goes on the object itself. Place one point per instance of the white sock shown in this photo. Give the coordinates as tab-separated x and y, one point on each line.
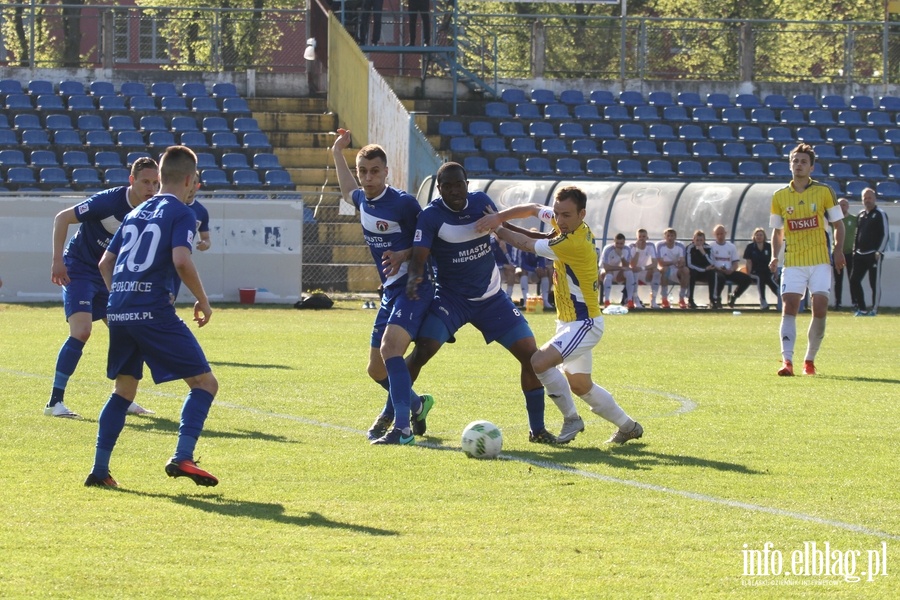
545	290
509	289
602	403
815	335
788	336
557	387
523	283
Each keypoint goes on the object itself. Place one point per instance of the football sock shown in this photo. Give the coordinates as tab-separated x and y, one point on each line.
534	404
415	402
110	425
66	361
401	386
815	335
545	291
607	286
788	336
557	387
193	416
523	284
509	289
602	403
388	409
665	291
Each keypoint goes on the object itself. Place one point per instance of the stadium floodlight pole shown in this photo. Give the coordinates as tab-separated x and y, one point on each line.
622	43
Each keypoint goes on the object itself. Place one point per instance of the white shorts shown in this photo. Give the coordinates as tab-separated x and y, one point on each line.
575	340
646	276
796	280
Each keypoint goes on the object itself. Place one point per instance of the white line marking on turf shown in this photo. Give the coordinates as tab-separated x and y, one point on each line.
687	405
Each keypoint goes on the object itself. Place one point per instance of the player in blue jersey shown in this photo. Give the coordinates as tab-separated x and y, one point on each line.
201	217
84	293
153	243
468	288
388	218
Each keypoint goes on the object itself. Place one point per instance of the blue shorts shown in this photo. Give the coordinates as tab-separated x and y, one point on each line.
497	318
86	295
170	350
397	309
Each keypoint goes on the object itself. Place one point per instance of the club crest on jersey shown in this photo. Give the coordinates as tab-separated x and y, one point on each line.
789	210
382	225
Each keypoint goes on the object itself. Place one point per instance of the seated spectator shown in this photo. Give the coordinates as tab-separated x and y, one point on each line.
758	255
672	267
615	267
643	265
544	272
701	268
505	257
725	257
526	271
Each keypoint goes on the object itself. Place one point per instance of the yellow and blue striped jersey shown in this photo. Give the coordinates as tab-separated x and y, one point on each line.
575	277
803	217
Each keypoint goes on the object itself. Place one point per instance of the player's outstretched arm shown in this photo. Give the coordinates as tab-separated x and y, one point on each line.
416	271
184	265
516	239
345	176
392	260
492	221
106	265
58	272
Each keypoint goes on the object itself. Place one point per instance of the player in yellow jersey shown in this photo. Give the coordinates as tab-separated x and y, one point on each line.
579	324
799	220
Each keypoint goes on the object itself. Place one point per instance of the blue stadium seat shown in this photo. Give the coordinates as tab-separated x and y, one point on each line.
690	168
249	124
867	136
182	124
540	130
133	88
834	103
747	101
587	112
629	167
12	158
599	167
705	151
497	110
85	177
735	151
855	187
601	131
511	129
224	141
542	96
49	103
853	153
809	134
838	135
107	159
645	149
894	171
721	169
675	149
850	118
463	145
691	133
553	147
207	105
513	96
75	159
4	122
889	103
206	160
720	133
99	89
476	165
884	154
19	177
704	115
805	102
834	185
660	168
525	110
872	172
646	113
133	156
792	117
194	89
130	140
71	88
494	145
765	151
750	134
116	176
161	89
224	90
779	135
150	123
111	104
523	146
568	167
160	140
585	148
675	115
506	165
862	103
80	103
840	170
173	104
631	98
263	161
888	190
718	101
121	123
52	177
660	99
246	179
779	170
215	125
11	86
26	121
776	101
614	149
661	132
879	118
214	179
602	98
141	103
825	153
616	113
751	169
278	179
734	116
231	161
763	116
476	128
572	97
821	118
556	111
255	141
36	138
690	100
632	131
43	158
58	122
538	166
571	131
449	128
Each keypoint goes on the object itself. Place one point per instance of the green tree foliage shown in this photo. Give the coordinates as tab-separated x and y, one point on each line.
16	27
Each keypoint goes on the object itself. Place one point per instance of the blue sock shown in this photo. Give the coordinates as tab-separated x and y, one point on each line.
193	416
110	425
66	361
534	404
388	409
415	402
401	389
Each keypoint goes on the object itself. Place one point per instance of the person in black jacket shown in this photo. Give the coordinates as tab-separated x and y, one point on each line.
701	268
872	234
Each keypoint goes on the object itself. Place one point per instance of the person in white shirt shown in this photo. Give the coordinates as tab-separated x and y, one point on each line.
643	264
615	267
672	267
725	257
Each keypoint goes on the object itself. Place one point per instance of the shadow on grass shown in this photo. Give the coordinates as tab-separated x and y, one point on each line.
217	504
153	424
221	363
859	379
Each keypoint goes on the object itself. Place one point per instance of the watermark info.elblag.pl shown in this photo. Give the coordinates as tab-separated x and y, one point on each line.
812	563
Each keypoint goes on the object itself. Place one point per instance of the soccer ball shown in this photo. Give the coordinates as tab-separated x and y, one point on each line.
482	439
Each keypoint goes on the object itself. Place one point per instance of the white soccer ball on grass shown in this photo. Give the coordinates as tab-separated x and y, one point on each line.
482	439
